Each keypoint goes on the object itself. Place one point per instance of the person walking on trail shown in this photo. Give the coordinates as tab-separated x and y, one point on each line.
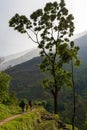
26	107
22	105
30	104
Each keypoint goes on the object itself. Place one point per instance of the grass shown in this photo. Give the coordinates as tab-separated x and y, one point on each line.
7	111
47	125
70	127
38	119
25	122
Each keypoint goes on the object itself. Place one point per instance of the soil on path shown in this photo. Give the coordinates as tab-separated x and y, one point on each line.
11	118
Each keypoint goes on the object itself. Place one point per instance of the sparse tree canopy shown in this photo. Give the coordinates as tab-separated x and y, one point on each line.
51	28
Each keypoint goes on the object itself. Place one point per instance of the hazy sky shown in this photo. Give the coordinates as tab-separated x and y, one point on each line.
12	42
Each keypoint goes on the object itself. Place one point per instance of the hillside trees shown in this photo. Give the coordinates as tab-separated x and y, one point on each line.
4	84
74	62
50	28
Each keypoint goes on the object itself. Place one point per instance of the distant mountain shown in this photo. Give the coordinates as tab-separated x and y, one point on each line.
79	35
27	76
15	59
82	43
26	79
18	58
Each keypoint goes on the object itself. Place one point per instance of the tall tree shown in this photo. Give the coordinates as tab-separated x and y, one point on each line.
50	28
74	62
72	59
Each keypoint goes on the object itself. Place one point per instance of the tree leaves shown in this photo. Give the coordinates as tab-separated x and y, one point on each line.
51	28
19	22
34	16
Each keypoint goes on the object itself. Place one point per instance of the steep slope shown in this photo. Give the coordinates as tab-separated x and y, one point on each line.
27	84
27	76
38	119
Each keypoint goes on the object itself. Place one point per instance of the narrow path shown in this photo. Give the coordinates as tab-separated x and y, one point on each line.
10	118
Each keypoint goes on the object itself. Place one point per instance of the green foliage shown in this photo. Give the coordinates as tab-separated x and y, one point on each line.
52	28
7	111
12	100
4	85
35	91
50	125
38	119
52	24
70	127
23	123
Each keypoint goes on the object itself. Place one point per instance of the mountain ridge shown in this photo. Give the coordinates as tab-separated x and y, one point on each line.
26	73
26	55
19	58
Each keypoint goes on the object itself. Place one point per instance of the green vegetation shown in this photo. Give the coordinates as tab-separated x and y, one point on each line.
70	127
4	85
38	119
8	110
52	28
24	87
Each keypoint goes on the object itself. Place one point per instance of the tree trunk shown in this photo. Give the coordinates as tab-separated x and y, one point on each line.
55	102
74	98
55	97
74	109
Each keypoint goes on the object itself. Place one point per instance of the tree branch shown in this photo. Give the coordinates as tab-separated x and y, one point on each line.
52	92
31	38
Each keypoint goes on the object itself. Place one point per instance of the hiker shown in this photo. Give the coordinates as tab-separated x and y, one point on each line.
22	105
26	107
30	104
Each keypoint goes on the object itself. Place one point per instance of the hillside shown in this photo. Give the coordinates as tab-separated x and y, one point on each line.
24	74
82	43
27	79
37	119
27	84
21	57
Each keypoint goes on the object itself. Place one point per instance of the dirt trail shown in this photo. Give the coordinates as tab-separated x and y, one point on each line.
10	118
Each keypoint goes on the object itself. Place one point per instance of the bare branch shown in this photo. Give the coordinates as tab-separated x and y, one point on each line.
32	31
47	55
37	38
31	37
58	35
51	32
52	92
